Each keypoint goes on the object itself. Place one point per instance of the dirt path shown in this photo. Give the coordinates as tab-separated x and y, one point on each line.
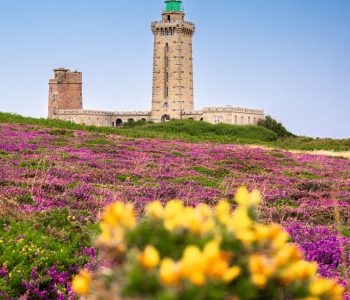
345	154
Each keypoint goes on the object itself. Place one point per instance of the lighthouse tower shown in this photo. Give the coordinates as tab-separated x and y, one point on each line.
172	90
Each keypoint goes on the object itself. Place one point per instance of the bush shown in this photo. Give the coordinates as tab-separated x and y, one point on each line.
36	253
276	127
180	252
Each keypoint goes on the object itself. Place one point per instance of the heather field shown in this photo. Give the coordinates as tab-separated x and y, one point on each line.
54	184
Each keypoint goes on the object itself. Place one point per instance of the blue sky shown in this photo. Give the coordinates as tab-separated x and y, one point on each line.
289	57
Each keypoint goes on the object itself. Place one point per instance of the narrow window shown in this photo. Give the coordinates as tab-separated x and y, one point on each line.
242	120
54	97
166	47
166	76
248	120
166	92
236	120
168	18
254	120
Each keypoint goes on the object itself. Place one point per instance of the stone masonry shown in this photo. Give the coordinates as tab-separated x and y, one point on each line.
172	89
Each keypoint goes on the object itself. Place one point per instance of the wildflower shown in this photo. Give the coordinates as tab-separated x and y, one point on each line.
261	269
118	214
193	264
231	274
173	211
150	257
222	211
155	210
240	219
326	288
81	283
300	270
169	272
246	199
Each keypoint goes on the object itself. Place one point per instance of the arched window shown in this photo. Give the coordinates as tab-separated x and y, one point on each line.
165	118
236	120
118	122
166	105
254	121
242	120
248	120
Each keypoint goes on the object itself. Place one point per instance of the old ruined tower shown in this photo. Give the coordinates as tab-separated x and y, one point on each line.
172	90
65	91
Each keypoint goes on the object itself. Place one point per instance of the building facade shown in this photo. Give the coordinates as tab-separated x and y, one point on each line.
172	87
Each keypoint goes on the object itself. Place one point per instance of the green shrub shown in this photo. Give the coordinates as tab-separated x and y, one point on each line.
41	241
275	126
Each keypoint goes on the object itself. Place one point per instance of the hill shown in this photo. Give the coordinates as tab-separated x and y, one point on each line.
195	131
54	183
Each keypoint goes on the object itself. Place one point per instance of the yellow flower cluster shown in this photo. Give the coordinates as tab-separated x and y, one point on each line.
177	216
81	283
116	218
277	260
195	265
266	257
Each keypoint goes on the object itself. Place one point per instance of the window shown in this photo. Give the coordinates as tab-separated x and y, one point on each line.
54	97
55	110
242	120
166	77
166	47
166	105
166	62
248	120
168	18
166	92
254	121
217	119
236	120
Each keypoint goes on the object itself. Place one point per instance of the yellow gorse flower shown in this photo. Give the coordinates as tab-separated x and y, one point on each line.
169	272
120	215
81	283
326	288
263	250
150	257
155	210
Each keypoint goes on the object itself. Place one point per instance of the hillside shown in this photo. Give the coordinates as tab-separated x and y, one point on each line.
194	131
54	183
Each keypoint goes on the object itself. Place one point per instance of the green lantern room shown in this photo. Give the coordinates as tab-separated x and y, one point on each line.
173	6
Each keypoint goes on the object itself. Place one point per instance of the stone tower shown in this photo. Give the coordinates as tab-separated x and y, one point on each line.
172	90
65	91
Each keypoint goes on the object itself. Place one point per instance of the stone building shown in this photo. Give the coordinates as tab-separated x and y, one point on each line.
172	89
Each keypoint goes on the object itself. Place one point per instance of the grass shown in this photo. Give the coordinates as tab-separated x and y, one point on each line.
191	131
33	243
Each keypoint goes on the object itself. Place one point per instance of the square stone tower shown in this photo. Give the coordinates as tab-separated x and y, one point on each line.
172	90
65	91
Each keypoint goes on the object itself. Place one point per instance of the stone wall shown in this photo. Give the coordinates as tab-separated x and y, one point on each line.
101	118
